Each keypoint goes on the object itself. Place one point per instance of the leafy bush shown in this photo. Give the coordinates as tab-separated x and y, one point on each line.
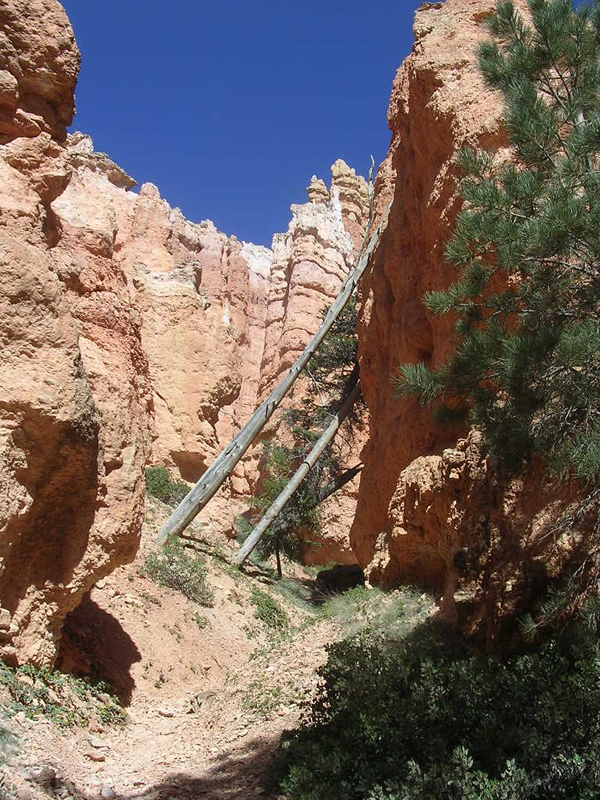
268	610
423	717
161	485
175	568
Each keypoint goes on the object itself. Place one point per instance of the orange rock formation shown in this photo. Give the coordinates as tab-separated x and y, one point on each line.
439	103
129	335
74	396
432	510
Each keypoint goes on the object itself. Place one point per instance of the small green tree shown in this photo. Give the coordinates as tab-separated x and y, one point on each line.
300	513
331	371
527	243
333	363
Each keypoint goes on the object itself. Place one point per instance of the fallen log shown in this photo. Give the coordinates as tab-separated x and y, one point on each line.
224	464
307	464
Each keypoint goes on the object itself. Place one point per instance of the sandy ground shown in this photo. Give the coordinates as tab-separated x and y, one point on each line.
208	691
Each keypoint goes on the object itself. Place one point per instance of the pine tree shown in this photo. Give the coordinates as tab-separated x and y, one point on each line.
300	514
526	367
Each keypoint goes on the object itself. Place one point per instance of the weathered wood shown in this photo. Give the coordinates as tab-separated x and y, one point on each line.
337	484
222	467
277	507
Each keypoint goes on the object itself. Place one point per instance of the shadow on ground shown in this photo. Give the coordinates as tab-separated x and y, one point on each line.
94	643
239	774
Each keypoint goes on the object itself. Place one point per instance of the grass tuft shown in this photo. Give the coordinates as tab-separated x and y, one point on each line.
174	568
269	611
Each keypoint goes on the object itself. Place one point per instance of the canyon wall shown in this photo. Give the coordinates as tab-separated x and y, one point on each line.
75	399
220	320
439	103
432	510
134	336
130	336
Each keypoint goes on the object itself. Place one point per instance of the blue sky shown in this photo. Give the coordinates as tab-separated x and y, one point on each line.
230	107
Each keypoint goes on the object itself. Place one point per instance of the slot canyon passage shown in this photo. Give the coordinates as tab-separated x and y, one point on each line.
136	344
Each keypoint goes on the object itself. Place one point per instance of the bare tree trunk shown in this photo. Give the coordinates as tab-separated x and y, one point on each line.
337	484
278	560
302	471
224	464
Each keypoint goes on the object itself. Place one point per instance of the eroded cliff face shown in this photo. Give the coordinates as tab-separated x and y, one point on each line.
220	320
438	104
39	63
431	509
74	396
130	336
134	336
485	543
310	262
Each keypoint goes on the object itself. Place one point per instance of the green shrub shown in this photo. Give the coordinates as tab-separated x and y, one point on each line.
175	568
161	485
423	718
268	610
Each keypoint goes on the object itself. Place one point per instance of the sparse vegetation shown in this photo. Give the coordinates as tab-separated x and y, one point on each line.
160	680
234	572
251	631
175	631
7	745
200	620
150	599
175	568
264	698
269	611
7	790
296	592
385	613
111	714
64	699
161	485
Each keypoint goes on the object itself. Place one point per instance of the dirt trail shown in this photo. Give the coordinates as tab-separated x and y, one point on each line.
208	691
